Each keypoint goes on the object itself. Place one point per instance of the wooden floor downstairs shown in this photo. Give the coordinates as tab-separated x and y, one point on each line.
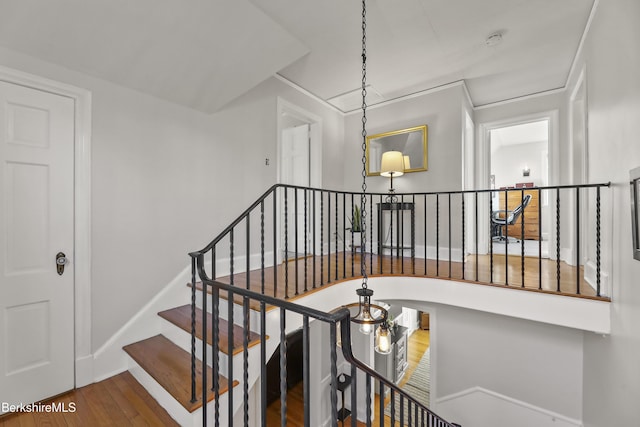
116	401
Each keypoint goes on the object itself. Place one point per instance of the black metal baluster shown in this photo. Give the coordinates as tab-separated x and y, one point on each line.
393	408
248	252
213	262
329	237
215	316
193	329
286	243
490	238
333	397
368	391
306	239
437	234
413	234
370	241
401	409
598	241
380	235
336	224
231	256
275	244
476	230
344	240
354	398
392	205
426	246
204	354
463	236
539	240
410	418
506	237
295	246
263	363
262	247
321	238
353	249
283	368
230	342
313	227
245	357
522	221
558	238
401	234
577	241
306	354
449	221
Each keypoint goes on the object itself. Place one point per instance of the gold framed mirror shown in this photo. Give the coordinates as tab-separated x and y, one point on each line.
412	142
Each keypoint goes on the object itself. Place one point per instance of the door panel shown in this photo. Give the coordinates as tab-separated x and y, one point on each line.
36	222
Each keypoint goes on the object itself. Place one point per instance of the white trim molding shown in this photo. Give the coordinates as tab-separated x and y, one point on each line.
478	406
82	210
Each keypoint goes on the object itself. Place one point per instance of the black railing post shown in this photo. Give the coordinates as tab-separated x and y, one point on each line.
263	363
193	329
598	241
558	238
296	249
522	238
506	237
306	240
275	243
437	234
283	368
578	241
245	356
286	242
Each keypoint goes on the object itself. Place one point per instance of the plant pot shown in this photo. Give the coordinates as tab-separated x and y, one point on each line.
356	240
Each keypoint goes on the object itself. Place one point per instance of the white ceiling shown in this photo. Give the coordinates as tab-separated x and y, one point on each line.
205	53
520	134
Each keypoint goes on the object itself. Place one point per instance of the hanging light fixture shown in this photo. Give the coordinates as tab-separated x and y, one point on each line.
367	315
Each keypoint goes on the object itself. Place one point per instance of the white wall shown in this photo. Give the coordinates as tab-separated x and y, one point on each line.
508	161
611	368
165	180
442	112
528	361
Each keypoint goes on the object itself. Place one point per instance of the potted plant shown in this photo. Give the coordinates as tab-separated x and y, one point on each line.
356	228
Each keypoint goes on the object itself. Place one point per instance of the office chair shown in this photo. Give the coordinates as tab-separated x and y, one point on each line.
500	218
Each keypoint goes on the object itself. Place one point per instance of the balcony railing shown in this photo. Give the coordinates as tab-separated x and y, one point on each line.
293	240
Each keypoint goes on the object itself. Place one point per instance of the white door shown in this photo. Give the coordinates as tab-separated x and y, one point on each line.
295	170
36	223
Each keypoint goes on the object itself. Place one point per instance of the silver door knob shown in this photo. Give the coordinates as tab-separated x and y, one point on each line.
61	261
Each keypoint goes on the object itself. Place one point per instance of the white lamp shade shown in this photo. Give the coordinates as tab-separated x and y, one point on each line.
392	164
407	162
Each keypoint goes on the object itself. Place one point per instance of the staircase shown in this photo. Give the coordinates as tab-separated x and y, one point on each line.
242	262
162	363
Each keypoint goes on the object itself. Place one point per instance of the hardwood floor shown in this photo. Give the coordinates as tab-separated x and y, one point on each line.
498	270
116	401
417	345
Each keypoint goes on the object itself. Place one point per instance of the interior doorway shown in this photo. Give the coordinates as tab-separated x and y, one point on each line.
299	164
506	159
520	159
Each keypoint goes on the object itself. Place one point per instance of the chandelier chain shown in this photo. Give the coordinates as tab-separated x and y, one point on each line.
363	198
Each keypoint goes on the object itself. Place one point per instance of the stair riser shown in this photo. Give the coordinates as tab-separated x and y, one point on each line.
183	340
254	316
175	410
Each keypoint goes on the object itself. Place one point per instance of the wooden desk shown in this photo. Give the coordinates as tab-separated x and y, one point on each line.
531	217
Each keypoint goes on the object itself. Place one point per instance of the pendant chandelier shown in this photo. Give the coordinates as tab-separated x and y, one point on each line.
369	316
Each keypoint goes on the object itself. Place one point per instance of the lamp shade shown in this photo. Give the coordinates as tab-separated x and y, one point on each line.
407	162
392	164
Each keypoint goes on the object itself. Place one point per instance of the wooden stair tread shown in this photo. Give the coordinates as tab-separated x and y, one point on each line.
170	366
181	317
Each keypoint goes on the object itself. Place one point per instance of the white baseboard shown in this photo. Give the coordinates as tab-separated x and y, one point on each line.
480	407
84	371
590	277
